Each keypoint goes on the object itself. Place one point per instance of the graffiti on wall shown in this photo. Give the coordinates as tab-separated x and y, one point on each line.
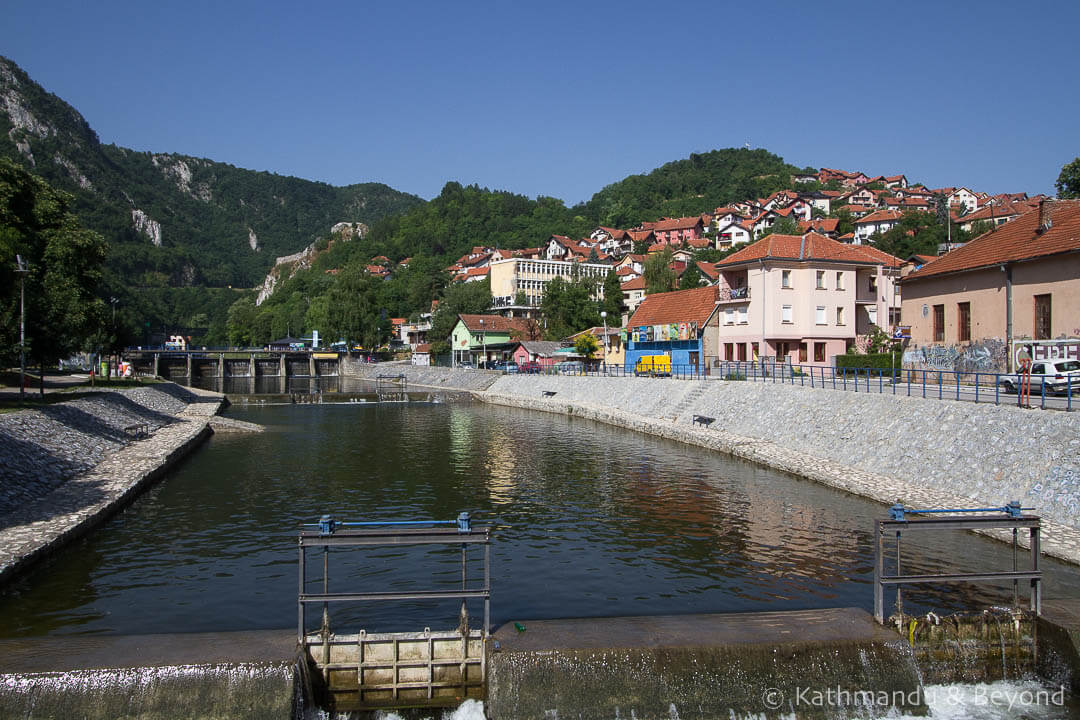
983	356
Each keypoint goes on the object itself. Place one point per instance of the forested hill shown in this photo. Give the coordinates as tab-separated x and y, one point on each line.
698	184
174	220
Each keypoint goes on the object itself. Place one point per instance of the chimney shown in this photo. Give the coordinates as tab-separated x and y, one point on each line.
1045	223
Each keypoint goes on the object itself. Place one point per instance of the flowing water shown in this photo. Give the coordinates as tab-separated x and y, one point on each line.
589	521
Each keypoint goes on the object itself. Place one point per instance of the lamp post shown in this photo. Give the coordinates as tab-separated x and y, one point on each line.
22	268
112	301
603	316
483	341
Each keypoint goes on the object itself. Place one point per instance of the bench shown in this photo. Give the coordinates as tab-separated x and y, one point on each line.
703	420
137	431
548	393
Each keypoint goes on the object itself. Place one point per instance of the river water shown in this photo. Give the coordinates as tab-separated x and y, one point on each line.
589	520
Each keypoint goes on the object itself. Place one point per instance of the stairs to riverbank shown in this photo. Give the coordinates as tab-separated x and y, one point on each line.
691	397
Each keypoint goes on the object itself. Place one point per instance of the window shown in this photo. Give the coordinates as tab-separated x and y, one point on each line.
820	319
729	316
1042	317
820	279
785	314
785	279
873	283
802	352
871	313
963	312
839	316
742	352
819	352
939	323
743	319
729	351
839	281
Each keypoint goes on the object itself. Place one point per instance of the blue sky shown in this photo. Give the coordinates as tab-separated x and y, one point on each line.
562	98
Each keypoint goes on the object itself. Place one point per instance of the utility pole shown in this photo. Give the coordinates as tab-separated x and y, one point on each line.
22	268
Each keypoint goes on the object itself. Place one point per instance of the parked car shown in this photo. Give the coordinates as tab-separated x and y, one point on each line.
1059	376
506	367
530	368
569	367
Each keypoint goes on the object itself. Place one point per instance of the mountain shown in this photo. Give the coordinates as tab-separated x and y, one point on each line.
174	220
700	183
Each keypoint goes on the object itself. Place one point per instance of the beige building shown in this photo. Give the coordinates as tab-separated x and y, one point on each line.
1018	281
509	277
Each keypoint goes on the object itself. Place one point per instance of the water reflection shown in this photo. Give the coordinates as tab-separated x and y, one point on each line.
589	520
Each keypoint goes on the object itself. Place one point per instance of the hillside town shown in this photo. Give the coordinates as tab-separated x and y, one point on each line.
799	279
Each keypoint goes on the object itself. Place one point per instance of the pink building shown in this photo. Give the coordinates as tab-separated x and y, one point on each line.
537	351
803	298
675	231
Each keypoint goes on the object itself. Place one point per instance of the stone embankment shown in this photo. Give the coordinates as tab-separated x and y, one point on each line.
926	453
65	467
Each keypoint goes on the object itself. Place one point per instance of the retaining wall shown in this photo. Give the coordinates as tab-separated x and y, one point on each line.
45	453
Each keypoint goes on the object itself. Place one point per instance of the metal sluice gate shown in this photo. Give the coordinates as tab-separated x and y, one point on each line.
369	671
1007	516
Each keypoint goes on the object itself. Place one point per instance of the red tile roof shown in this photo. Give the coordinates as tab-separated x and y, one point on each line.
709	270
821	225
879	216
638	283
808	247
494	323
678	306
1014	241
683	223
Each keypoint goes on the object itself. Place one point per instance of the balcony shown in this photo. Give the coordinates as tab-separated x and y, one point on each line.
736	294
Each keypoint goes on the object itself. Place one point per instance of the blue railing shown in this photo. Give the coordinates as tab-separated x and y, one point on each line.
937	384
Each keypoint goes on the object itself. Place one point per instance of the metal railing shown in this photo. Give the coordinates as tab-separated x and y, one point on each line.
937	384
989	518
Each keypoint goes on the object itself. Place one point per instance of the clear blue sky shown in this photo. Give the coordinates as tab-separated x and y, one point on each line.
561	98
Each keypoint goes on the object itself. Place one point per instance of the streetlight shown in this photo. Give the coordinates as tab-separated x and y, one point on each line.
603	316
22	268
483	340
112	301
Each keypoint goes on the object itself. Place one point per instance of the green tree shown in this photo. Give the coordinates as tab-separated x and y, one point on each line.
1068	182
659	276
241	322
568	307
613	303
691	277
459	298
586	345
785	226
65	268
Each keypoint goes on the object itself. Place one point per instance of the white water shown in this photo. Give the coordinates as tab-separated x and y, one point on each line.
992	701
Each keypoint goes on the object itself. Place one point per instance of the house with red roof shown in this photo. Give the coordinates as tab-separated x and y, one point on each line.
676	231
802	298
680	324
875	223
1020	280
735	232
485	339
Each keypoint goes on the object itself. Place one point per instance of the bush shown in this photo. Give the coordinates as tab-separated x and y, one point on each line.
875	361
734	376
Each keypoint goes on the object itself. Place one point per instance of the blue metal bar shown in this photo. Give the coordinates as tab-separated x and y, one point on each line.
1013	509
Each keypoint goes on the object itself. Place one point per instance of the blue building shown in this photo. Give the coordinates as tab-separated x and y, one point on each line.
684	325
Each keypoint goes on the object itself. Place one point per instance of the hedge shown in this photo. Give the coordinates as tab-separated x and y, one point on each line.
876	361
